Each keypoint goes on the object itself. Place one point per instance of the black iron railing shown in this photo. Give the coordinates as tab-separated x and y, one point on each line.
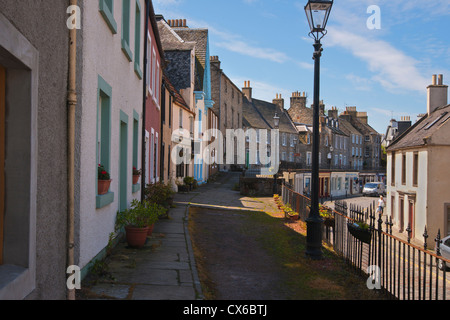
394	266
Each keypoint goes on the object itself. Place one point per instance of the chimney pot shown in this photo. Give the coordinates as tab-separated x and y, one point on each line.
440	79
434	80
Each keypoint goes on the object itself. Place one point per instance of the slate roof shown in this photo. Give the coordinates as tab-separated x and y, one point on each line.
347	127
178	99
259	114
178	55
200	38
417	134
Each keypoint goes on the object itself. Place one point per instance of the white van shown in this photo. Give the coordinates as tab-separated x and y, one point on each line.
374	189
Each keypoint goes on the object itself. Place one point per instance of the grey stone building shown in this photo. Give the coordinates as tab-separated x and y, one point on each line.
371	139
34	45
228	102
258	114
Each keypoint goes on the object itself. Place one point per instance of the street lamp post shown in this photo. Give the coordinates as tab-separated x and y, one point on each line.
317	12
276	125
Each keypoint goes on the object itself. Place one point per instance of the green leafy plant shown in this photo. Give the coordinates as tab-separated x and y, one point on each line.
140	215
362	225
188	180
325	212
102	173
159	193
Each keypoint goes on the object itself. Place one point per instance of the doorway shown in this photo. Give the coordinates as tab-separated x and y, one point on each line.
2	155
402	214
411	216
123	166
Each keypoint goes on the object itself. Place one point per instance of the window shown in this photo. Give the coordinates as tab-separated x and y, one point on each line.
180	118
153	71
19	73
308	158
157	84
137	41
415	168
126	29
2	155
404	168
393	169
149	62
284	138
106	8
135	144
104	135
367	138
448	220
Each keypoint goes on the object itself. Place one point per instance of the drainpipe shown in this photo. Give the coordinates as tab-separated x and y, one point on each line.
72	102
144	100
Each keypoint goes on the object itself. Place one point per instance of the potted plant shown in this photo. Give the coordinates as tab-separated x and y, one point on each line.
136	221
104	180
360	230
327	215
136	175
189	181
290	214
161	194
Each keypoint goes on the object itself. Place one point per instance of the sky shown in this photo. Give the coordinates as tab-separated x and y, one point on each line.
379	61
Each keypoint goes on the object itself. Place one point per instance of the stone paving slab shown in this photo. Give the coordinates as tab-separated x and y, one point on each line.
165	268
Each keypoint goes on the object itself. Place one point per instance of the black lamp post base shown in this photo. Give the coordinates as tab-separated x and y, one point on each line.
314	239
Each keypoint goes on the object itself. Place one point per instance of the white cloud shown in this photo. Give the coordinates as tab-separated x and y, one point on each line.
392	68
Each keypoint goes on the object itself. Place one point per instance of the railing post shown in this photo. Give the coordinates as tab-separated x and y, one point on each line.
438	243
380	230
425	237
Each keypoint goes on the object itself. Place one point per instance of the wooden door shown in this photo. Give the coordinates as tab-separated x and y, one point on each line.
402	214
2	155
411	217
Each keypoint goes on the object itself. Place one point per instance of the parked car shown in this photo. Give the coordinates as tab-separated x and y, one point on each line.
374	189
445	252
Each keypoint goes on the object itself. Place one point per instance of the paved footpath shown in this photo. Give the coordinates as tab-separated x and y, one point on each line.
165	268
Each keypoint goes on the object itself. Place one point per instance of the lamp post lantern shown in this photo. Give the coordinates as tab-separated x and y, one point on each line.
317	12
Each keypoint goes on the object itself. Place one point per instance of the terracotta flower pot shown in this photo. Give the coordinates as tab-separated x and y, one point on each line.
136	179
103	186
136	237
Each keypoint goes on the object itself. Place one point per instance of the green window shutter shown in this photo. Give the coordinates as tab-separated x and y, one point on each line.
137	41
126	30
104	96
106	8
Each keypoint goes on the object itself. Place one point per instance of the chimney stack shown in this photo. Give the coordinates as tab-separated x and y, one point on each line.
437	94
333	113
279	101
215	61
298	100
177	23
247	90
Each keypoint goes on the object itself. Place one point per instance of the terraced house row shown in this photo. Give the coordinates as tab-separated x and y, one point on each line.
109	86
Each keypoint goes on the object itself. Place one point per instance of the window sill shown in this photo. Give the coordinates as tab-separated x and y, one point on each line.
108	16
104	200
136	187
137	70
15	282
126	50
